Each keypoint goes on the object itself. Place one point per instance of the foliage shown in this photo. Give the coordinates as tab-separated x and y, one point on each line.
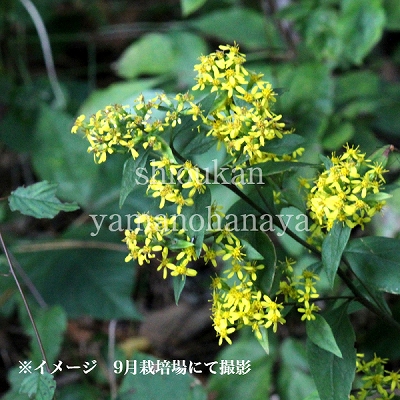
287	135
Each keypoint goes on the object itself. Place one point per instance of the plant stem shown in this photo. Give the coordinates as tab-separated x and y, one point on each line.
28	310
277	222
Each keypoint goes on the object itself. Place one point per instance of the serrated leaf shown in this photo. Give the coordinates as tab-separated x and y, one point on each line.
39	200
39	386
178	283
320	333
190	6
333	376
332	249
375	260
132	174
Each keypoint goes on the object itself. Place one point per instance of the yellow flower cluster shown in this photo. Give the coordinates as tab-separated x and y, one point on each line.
348	191
114	129
159	236
237	302
301	289
242	120
377	382
178	183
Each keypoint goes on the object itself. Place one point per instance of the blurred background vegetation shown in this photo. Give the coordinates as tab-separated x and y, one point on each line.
336	64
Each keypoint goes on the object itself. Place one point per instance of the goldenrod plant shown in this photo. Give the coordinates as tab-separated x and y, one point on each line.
227	121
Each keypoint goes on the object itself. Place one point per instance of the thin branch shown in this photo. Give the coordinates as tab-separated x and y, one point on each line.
47	53
111	358
67	245
28	310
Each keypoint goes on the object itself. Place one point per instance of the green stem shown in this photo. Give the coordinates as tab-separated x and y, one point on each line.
357	293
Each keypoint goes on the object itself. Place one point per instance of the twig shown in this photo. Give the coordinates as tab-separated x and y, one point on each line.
111	358
67	245
28	310
47	53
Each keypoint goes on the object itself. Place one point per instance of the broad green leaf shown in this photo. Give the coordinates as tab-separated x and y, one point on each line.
131	175
332	375
152	54
178	283
285	145
332	249
392	8
187	48
375	260
337	135
69	164
321	36
360	27
39	200
158	386
39	386
123	93
254	385
294	379
51	324
190	6
320	333
250	251
225	24
87	279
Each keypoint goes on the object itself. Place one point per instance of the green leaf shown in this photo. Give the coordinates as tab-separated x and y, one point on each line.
332	249
256	383
264	339
360	27
179	244
285	145
159	386
187	48
178	283
152	54
190	6
132	169
51	324
225	24
117	93
375	260
294	379
39	386
332	375
196	218
39	200
88	280
392	8
320	333
338	134
272	168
